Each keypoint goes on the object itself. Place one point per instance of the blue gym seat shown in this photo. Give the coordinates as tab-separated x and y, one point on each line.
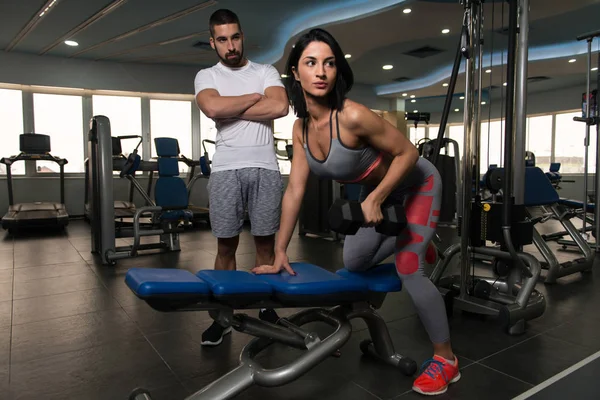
171	192
311	286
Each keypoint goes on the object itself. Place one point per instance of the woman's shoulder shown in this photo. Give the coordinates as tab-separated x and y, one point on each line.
352	114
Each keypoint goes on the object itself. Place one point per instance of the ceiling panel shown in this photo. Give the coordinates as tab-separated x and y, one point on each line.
66	15
14	15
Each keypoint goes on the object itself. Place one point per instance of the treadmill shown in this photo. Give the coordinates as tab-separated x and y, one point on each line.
34	147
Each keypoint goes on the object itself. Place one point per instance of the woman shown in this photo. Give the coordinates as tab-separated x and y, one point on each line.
340	139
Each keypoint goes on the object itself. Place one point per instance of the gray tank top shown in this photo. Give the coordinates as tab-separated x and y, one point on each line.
342	163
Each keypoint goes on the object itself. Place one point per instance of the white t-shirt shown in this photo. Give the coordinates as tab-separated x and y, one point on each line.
241	143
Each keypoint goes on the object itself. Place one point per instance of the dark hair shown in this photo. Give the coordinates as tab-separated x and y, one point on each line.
344	80
222	17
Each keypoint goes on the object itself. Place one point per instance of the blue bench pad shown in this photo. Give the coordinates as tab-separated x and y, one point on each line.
383	278
311	286
576	204
150	282
312	280
234	282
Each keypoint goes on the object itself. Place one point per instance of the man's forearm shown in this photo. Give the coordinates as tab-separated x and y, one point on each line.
266	109
230	106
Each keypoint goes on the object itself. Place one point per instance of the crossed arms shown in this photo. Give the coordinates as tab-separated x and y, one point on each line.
253	106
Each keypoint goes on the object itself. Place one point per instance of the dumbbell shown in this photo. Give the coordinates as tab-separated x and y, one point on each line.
346	217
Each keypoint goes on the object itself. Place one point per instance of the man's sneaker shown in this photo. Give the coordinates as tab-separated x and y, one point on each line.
437	373
213	336
268	315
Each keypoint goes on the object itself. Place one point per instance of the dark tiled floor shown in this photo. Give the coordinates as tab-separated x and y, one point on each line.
71	329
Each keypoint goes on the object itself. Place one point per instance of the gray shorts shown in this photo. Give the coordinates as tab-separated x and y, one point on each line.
231	192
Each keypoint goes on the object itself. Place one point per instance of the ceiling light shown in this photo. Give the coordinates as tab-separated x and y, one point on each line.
284	76
386	67
462	97
488	71
445	31
504	84
445	85
348	55
483	103
407	11
71	43
595	69
47	8
413	101
404	94
416	111
572	60
412	96
456	109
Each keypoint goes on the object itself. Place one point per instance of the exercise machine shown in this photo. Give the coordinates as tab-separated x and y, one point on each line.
510	295
123	209
200	214
590	116
331	298
542	204
34	147
448	165
166	212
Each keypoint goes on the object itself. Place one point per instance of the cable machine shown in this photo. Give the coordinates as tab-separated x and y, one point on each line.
510	295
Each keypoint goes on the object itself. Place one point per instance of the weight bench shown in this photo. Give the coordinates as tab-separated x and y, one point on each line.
334	298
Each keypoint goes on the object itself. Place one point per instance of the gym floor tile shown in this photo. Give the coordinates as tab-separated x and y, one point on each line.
187	358
152	322
478	382
40	258
537	359
6	291
476	337
583	330
410	340
50	271
62	305
61	335
6	275
315	384
4	383
6	313
109	371
56	285
4	346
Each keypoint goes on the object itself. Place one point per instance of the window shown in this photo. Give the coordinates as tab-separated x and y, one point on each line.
11	126
60	117
416	134
125	115
208	131
283	134
539	140
172	119
569	144
491	145
457	133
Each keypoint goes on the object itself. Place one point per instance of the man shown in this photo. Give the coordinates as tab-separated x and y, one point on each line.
243	98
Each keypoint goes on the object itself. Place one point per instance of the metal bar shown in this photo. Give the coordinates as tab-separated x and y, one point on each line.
448	102
9	182
467	161
254	327
521	105
586	142
103	189
590	35
477	120
597	175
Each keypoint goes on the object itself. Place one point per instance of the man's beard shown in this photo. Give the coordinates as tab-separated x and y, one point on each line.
232	61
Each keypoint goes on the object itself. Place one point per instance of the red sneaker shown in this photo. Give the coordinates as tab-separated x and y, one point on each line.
436	376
